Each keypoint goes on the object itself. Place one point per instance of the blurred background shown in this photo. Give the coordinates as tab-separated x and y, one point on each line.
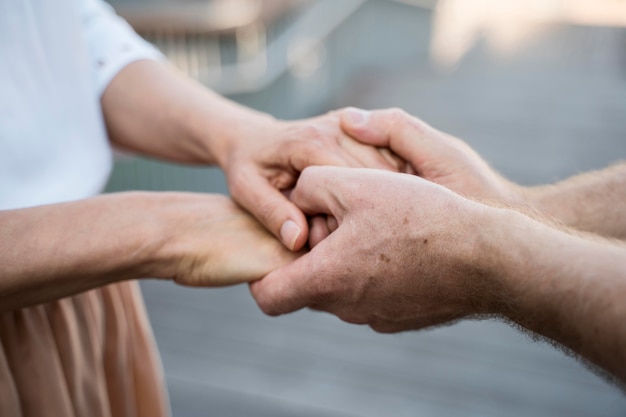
538	87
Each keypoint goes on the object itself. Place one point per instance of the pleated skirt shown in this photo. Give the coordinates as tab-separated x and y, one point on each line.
92	354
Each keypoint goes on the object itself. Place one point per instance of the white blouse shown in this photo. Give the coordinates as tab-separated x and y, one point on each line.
56	59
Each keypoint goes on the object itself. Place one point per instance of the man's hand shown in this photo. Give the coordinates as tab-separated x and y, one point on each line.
399	259
408	253
430	153
593	201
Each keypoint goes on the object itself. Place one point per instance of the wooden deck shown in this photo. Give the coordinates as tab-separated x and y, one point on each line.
559	108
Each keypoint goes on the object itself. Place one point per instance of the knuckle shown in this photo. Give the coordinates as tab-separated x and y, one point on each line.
308	150
397	114
307	173
400	119
325	292
309	132
397	118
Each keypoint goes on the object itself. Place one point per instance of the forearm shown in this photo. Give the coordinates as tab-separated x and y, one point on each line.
593	202
152	109
568	288
53	251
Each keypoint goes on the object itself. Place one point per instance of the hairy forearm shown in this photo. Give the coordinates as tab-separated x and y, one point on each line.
567	287
53	251
152	109
593	202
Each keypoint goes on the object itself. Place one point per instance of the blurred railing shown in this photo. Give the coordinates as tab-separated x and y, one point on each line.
238	46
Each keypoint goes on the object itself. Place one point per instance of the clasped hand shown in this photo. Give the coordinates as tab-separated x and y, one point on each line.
396	251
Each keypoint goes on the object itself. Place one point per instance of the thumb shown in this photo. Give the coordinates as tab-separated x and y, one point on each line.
287	289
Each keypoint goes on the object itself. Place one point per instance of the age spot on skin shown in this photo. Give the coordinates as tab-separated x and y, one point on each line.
405	221
425	241
384	258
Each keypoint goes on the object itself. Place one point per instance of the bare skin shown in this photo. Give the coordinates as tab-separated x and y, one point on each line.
152	109
408	254
570	288
593	202
53	251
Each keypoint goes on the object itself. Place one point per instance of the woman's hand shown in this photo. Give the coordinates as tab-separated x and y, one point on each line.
194	239
210	241
262	166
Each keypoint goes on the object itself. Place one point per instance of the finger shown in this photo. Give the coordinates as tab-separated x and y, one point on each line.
358	124
318	230
331	224
405	135
280	216
345	152
366	156
323	190
299	155
324	132
248	253
289	288
399	164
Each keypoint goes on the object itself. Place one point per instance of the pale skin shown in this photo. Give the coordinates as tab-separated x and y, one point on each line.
53	251
593	202
151	109
57	250
403	253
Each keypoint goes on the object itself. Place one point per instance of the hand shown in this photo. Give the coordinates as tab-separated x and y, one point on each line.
212	242
193	239
402	256
431	154
260	168
151	109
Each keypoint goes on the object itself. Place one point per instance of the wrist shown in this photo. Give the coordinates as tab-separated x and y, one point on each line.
159	233
526	257
485	254
218	125
145	230
556	207
475	250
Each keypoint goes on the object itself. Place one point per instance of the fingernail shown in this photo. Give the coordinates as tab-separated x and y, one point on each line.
289	233
357	117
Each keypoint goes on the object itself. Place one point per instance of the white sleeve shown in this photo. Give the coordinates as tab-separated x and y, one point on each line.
111	42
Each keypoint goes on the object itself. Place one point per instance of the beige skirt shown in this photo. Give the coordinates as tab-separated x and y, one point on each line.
88	355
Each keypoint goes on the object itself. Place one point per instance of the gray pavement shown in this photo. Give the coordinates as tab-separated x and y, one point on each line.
556	109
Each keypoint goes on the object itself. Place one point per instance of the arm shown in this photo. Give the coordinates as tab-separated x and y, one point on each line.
53	251
594	202
151	109
570	288
408	254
